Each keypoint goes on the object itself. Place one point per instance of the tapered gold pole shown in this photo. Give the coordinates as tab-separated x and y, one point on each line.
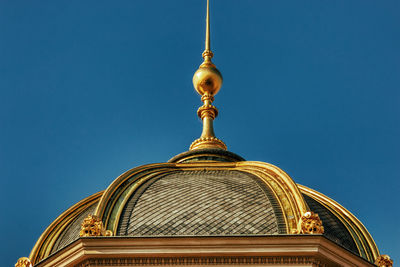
207	81
207	46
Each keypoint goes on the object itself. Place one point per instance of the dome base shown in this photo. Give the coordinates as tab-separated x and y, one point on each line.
207	154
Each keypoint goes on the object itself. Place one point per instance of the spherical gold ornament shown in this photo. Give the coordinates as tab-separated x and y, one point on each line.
207	80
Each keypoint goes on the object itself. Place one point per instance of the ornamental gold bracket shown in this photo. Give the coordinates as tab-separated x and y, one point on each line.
309	223
93	226
23	262
207	81
384	261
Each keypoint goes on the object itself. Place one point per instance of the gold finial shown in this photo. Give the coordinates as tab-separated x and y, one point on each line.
207	81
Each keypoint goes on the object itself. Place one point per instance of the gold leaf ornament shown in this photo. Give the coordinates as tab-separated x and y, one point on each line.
23	262
310	223
93	226
384	261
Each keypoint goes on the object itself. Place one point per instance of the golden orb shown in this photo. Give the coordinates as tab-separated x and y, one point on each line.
207	80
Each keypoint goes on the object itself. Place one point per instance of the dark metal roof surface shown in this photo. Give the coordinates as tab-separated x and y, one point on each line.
202	202
335	230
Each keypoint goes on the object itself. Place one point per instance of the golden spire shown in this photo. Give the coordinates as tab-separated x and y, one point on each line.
207	81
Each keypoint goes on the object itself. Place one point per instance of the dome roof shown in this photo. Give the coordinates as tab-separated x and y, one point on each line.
206	193
202	202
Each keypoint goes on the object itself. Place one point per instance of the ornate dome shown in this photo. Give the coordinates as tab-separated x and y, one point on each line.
208	192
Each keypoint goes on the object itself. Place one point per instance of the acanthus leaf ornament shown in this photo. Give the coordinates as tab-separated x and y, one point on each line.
384	261
23	262
310	223
93	226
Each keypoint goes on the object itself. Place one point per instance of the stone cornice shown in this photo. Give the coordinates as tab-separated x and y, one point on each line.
246	250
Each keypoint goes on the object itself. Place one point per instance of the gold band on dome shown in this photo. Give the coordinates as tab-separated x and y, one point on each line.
207	81
288	195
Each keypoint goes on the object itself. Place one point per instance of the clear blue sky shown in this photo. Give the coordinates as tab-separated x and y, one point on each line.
89	89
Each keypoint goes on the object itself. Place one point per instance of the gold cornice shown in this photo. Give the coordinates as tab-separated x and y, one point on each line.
344	215
44	244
